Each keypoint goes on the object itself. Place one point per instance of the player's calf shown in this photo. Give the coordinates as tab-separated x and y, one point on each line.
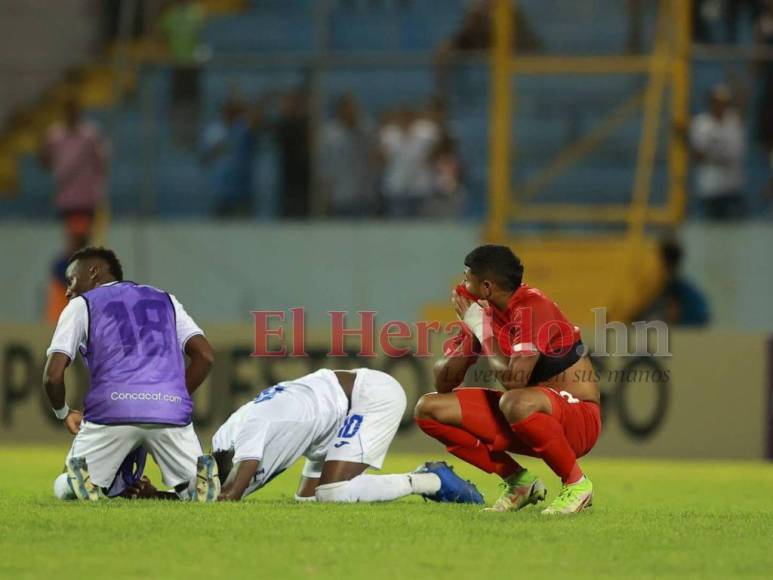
374	488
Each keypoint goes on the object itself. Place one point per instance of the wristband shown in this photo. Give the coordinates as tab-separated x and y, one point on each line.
473	318
62	413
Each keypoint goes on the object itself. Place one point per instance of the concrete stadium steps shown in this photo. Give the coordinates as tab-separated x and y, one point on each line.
584	273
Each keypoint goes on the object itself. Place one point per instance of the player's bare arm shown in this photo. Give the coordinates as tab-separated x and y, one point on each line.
307	487
512	372
450	370
53	383
238	480
202	357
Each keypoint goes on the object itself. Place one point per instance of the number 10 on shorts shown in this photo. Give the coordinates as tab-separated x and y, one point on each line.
350	426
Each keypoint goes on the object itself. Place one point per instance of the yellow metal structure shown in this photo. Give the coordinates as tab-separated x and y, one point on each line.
620	272
667	68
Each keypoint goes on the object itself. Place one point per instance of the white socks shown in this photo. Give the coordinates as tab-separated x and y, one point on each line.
424	483
370	488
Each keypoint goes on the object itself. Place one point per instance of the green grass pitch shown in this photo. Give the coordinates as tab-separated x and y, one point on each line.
650	519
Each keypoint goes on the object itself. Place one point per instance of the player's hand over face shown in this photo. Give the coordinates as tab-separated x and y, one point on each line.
73	421
460	303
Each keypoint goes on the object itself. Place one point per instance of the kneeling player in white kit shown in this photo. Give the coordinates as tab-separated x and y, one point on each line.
342	422
132	338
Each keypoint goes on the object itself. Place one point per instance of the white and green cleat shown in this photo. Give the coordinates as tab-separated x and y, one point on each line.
518	491
80	481
207	486
573	499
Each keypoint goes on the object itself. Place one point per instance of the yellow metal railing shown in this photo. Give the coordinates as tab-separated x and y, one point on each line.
667	69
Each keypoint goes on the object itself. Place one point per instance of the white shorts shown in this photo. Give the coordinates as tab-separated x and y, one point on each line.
378	405
174	449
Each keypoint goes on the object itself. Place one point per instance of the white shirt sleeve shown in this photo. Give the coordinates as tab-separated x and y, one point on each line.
71	329
186	327
250	442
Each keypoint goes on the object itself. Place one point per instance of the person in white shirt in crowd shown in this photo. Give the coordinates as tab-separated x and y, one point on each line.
347	156
718	142
407	143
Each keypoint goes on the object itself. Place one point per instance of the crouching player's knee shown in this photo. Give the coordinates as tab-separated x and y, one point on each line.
62	489
338	492
518	404
431	406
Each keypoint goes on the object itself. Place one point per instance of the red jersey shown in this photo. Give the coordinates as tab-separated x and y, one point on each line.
532	324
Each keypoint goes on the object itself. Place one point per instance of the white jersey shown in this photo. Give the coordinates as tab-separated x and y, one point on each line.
311	417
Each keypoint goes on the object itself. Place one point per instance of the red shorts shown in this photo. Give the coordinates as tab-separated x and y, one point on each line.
481	416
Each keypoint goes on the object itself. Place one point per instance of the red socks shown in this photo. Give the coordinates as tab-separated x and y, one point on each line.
469	448
544	434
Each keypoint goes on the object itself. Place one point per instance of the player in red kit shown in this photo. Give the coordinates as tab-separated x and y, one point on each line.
550	406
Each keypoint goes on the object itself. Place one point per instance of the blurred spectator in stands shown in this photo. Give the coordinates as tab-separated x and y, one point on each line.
704	13
57	286
764	40
77	154
180	26
634	43
680	303
122	18
292	132
407	142
719	146
733	12
764	70
476	34
228	148
347	155
447	187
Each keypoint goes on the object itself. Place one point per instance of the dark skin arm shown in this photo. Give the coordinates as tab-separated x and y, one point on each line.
239	480
307	486
450	370
53	383
201	357
512	372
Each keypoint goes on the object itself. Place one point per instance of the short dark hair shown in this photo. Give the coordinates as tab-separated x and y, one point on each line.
116	270
496	263
671	253
225	463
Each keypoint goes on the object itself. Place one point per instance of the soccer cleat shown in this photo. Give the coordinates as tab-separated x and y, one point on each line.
453	489
518	491
207	486
573	499
80	481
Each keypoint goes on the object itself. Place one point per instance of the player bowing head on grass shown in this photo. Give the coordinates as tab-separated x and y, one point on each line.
132	338
342	422
550	406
